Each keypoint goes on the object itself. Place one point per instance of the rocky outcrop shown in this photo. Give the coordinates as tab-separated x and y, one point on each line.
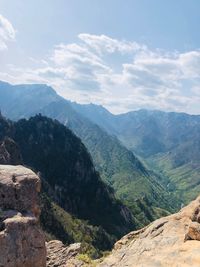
62	256
22	243
170	241
19	188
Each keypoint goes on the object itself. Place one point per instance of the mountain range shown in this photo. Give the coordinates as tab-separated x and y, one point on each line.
133	183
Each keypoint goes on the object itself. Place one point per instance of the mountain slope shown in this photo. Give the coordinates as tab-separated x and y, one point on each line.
168	142
59	224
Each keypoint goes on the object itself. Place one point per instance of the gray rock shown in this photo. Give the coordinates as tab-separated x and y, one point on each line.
19	189
22	243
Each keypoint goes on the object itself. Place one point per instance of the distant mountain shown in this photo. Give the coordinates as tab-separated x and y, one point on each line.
117	165
98	115
17	101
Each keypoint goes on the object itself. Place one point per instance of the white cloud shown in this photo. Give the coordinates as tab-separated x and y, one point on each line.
7	32
65	54
83	68
121	75
190	64
103	43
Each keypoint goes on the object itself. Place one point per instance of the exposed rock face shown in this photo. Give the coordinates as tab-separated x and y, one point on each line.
169	241
22	243
10	152
61	256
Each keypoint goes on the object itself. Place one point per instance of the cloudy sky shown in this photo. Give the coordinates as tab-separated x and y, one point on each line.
123	54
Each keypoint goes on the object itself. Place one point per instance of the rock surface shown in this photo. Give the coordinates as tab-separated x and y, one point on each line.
22	243
170	241
19	188
61	256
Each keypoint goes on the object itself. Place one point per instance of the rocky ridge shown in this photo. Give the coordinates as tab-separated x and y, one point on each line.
169	241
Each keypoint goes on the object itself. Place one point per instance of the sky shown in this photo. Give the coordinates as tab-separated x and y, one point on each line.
122	54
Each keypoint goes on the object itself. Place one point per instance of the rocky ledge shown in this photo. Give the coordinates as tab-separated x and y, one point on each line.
170	241
22	243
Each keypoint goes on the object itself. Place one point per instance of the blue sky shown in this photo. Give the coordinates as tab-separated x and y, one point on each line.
124	55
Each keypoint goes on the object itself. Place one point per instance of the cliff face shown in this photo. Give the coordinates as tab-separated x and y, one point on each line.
169	241
22	243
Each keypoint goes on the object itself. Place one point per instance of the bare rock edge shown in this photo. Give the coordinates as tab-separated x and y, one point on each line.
170	241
